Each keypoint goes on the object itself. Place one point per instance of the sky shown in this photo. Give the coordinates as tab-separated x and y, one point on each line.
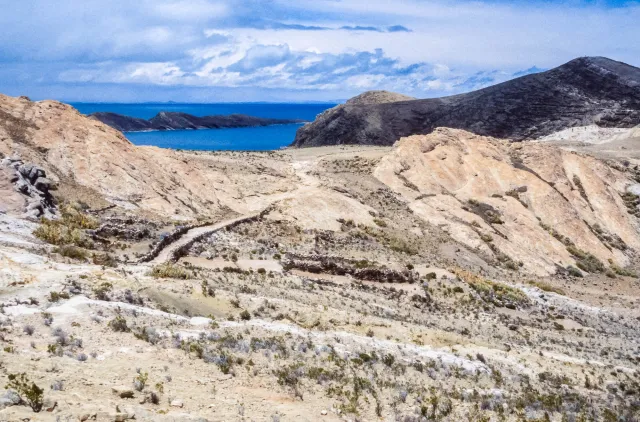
296	50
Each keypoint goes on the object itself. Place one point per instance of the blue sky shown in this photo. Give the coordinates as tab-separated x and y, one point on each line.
295	50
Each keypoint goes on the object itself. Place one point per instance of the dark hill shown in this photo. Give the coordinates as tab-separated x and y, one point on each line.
588	90
172	121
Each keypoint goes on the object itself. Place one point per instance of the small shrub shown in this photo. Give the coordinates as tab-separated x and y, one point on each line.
547	287
29	330
170	271
104	259
71	251
370	333
28	391
102	291
245	315
119	324
573	271
140	381
379	222
55	296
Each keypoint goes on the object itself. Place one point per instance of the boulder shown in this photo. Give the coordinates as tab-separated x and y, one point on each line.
9	398
123	392
43	184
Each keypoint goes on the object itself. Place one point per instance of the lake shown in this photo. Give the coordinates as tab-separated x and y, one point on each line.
247	139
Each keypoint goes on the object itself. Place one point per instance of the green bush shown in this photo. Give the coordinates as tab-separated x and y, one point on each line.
28	391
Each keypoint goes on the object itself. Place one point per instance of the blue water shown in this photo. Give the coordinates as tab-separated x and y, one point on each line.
247	139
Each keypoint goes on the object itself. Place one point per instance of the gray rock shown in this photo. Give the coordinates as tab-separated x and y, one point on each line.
43	184
9	398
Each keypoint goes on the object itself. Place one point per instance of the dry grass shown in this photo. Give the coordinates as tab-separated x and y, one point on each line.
170	271
490	291
67	230
547	287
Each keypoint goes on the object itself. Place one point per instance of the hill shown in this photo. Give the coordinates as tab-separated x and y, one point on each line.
166	120
587	90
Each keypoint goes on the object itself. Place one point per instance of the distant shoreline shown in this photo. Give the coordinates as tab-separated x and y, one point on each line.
171	120
212	128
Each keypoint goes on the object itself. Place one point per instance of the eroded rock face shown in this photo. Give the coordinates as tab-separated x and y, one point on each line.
87	154
588	90
528	204
31	188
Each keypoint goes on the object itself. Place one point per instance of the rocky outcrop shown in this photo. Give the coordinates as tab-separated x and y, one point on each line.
32	184
588	90
529	206
166	120
93	160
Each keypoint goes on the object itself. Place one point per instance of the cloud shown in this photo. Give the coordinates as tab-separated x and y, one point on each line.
312	48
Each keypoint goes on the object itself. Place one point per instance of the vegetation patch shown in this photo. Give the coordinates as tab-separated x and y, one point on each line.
169	270
28	391
69	229
496	293
547	287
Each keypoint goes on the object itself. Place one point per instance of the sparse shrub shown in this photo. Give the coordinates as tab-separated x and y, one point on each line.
497	293
379	222
388	360
28	391
370	333
104	259
119	324
55	296
71	251
573	271
29	330
153	398
149	334
586	261
62	338
169	270
547	287
67	230
140	381
102	291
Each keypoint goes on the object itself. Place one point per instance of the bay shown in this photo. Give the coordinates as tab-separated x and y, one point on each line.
237	139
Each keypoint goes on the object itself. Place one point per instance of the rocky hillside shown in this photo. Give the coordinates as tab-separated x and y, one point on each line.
92	162
588	90
173	121
524	205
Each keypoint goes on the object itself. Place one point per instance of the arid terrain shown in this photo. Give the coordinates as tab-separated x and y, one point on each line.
449	277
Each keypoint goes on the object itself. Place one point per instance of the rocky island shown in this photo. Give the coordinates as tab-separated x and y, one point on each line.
167	120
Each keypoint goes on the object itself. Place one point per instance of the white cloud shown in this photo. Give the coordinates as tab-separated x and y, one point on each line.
452	45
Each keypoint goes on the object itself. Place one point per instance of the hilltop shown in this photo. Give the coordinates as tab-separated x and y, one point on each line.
584	91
